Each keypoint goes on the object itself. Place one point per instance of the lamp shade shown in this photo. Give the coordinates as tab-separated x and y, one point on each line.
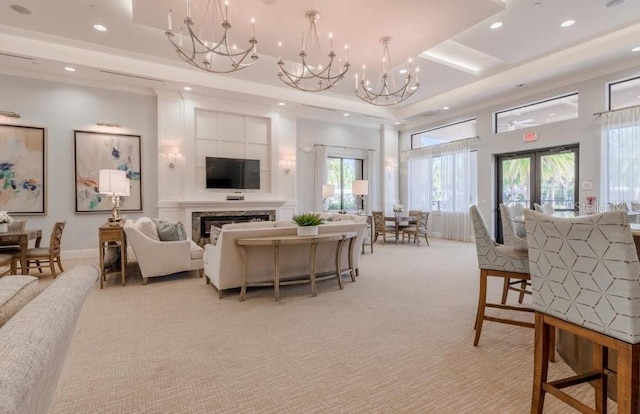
113	182
360	187
328	190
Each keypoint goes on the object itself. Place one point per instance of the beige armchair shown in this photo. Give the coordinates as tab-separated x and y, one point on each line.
161	258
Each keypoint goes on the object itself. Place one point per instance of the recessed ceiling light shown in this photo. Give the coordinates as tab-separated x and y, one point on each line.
397	123
552	114
567	23
444	108
69	69
345	114
614	3
496	25
281	103
100	27
187	88
636	49
20	9
413	88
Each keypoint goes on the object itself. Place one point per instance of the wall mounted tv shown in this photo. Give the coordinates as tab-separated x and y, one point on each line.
234	173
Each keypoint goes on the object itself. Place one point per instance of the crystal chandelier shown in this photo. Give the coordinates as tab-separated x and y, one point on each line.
212	51
309	77
388	94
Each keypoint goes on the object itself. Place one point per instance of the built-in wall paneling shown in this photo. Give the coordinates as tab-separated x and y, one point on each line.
584	130
220	134
62	108
170	138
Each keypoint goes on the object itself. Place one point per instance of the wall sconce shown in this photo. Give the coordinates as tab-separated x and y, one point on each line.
9	114
391	168
361	188
171	154
288	163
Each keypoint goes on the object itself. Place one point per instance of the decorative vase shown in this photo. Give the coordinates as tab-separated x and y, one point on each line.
307	230
4	227
398	214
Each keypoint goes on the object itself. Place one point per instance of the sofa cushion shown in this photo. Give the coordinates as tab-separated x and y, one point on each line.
196	251
15	292
147	227
168	231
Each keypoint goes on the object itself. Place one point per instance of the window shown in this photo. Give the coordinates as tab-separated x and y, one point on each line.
444	134
538	113
341	173
624	94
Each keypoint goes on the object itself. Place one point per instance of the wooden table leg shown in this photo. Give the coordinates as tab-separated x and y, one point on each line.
276	271
123	261
243	255
338	262
24	245
312	272
102	272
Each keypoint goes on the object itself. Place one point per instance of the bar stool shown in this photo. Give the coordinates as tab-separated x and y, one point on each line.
510	237
585	278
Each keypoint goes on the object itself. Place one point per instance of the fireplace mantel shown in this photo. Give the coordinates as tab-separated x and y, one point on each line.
226	204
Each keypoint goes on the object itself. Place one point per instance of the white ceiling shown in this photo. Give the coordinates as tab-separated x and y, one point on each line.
530	48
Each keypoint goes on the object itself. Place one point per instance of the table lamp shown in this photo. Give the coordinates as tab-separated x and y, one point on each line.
116	184
361	189
328	191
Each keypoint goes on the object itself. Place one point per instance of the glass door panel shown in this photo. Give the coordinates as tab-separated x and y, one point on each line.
514	183
558	180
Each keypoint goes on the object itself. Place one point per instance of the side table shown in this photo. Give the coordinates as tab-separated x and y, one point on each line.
112	235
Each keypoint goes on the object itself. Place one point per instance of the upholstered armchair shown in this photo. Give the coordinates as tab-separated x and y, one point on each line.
498	261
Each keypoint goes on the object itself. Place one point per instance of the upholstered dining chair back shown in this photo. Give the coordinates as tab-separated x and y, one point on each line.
18	225
56	238
546	208
491	255
509	235
585	270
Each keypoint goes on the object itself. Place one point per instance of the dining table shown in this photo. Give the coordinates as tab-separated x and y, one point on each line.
400	222
21	239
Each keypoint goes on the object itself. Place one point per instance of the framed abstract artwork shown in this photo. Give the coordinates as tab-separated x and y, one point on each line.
22	170
95	151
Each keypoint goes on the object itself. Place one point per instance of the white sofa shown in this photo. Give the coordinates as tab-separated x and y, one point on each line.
35	339
161	258
223	266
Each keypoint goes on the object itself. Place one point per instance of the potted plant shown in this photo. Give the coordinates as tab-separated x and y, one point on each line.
398	209
307	223
5	220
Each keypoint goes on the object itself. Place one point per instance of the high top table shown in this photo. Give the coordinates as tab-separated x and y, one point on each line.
289	240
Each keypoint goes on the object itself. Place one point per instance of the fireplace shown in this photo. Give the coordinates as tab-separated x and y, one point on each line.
201	221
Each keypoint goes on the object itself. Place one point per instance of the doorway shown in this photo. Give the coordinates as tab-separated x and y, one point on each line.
541	176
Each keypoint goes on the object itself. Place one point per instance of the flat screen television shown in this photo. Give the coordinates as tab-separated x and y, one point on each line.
234	173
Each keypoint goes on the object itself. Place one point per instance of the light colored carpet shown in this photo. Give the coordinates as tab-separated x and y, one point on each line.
398	340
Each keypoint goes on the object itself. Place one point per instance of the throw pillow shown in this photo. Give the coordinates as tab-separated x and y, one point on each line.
214	233
168	231
147	227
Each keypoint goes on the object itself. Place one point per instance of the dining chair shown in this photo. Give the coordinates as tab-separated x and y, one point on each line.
585	276
498	261
37	257
8	264
419	229
380	228
511	238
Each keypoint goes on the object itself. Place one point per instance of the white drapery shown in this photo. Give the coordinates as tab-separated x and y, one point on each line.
620	152
441	180
321	174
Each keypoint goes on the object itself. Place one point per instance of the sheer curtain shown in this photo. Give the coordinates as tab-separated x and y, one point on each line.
620	149
442	180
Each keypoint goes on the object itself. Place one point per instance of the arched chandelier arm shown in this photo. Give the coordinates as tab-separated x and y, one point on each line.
204	54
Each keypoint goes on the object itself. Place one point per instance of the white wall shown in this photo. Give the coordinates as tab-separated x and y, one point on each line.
312	132
584	130
62	108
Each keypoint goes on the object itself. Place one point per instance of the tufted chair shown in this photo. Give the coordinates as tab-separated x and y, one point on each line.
514	236
498	261
585	280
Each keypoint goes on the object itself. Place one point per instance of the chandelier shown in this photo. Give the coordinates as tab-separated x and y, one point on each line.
309	77
388	94
212	50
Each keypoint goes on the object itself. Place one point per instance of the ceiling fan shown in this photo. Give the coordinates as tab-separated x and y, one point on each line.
513	124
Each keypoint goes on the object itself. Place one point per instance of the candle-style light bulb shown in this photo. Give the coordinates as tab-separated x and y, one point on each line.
189	8
169	20
356	81
226	9
346	52
253	27
330	42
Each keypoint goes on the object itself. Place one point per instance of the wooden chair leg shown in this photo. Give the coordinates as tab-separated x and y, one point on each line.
482	301
540	363
628	378
599	355
523	287
426	239
59	263
505	290
52	266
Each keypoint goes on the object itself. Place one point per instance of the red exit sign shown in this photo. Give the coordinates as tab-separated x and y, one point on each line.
530	136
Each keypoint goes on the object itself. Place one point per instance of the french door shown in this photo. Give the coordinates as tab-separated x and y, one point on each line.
542	176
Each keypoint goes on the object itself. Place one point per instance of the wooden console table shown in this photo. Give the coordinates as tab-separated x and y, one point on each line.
312	241
112	235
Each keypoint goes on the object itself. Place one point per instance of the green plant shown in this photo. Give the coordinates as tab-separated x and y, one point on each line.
307	219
